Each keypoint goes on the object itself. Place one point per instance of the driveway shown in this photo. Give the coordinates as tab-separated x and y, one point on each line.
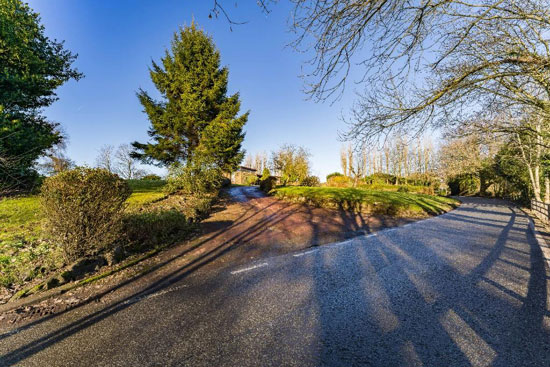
468	288
244	193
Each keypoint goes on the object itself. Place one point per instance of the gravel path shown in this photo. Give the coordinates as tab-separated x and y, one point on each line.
468	288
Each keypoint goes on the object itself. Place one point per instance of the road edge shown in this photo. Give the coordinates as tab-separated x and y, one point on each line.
541	242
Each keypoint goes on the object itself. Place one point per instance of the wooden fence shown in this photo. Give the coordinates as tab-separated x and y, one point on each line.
541	210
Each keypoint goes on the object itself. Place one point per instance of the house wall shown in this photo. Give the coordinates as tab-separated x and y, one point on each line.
240	177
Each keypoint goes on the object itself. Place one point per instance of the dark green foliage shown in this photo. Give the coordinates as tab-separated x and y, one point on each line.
195	116
333	174
311	181
464	184
421	179
31	68
151	177
512	177
144	230
268	184
226	182
84	208
380	178
403	189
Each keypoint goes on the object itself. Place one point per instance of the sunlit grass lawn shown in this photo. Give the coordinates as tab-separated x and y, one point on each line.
145	191
21	222
374	201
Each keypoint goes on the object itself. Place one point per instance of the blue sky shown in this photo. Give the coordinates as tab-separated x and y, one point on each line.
116	41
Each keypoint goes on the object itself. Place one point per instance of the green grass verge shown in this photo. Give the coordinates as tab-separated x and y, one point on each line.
369	201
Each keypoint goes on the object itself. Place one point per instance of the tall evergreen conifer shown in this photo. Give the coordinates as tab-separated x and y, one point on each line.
32	67
195	120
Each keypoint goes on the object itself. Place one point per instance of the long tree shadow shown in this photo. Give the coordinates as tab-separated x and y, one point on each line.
241	219
177	275
395	299
427	321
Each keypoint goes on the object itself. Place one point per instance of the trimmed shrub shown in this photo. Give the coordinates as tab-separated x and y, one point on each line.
84	209
268	184
311	181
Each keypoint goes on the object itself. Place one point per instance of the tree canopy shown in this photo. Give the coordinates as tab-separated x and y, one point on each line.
195	116
291	163
31	68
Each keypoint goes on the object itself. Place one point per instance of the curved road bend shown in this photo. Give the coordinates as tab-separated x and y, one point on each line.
468	288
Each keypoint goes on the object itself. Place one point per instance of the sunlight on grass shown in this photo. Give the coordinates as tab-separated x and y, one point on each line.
373	201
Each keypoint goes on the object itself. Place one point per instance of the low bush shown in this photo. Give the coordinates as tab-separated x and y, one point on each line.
464	184
195	178
339	181
380	178
268	184
198	207
83	209
311	181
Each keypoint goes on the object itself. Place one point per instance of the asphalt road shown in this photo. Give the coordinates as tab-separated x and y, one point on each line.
466	288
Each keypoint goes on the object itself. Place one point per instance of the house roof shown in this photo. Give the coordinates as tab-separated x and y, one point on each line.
246	169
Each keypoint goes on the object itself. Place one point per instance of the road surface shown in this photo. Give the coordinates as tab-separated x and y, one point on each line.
468	288
245	193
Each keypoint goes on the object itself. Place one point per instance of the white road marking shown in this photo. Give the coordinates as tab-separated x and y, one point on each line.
304	253
249	268
153	295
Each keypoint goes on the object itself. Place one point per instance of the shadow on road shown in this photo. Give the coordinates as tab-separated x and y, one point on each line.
420	300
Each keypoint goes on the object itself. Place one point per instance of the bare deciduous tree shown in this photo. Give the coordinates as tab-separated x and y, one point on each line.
126	166
105	158
344	161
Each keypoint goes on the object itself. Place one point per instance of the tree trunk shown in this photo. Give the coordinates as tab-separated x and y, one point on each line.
546	190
